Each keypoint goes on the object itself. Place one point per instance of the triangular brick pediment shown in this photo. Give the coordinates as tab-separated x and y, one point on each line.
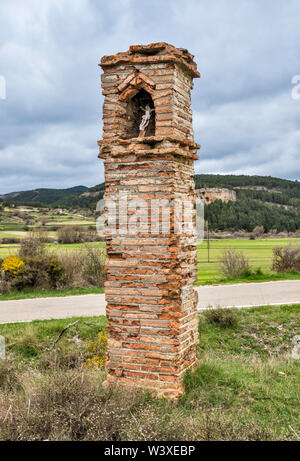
132	84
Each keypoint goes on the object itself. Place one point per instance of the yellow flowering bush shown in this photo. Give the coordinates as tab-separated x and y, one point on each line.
97	351
12	265
55	269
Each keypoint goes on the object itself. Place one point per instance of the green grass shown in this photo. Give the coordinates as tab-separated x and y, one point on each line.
9	235
8	249
40	293
253	278
11	226
259	253
248	371
246	386
29	341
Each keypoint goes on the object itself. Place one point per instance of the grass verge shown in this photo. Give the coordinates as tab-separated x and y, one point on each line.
252	278
30	294
258	252
246	386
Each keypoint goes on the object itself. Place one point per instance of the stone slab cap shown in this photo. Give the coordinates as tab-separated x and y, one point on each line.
167	144
150	140
153	53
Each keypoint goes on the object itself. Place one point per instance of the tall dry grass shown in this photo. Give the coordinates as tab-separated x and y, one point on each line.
72	405
83	267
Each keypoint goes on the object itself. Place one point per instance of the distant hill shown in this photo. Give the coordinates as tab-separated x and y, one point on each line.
263	188
44	196
85	199
273	203
272	186
265	201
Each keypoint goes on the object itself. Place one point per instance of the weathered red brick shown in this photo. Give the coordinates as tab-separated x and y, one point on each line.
151	306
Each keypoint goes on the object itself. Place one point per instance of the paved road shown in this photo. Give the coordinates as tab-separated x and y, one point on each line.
25	310
240	295
250	294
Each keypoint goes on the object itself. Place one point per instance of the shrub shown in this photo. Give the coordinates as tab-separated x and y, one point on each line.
72	264
9	241
83	267
12	265
226	318
72	405
93	270
286	259
9	377
30	247
40	271
75	234
97	351
55	269
40	234
5	285
247	273
70	234
56	360
233	263
37	267
258	230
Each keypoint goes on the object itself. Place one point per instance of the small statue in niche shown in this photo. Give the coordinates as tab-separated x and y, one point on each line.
145	119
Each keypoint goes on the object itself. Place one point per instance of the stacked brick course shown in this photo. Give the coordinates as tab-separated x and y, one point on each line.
151	303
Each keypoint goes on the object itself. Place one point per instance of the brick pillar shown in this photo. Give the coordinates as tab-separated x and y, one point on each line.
151	303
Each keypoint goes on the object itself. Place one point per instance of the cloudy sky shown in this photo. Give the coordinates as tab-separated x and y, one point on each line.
244	116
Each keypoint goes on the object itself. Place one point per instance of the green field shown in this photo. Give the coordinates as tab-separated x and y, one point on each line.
10	234
12	225
15	219
259	253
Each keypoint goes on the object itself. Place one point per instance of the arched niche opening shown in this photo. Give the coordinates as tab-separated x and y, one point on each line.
137	107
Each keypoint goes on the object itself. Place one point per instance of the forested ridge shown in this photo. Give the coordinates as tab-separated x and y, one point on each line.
261	201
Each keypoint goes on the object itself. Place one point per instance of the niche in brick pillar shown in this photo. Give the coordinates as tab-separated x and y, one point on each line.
135	113
149	152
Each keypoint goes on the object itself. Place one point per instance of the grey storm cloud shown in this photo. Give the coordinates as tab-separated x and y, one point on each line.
244	116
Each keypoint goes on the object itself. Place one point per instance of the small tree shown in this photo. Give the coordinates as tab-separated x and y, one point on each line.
258	230
286	259
70	234
233	263
43	220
